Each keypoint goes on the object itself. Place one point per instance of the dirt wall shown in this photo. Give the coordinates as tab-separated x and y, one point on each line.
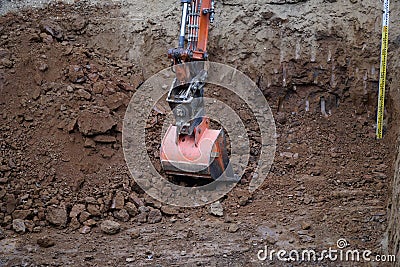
394	216
330	177
393	108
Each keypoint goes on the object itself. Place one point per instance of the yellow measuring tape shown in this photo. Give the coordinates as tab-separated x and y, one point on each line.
382	74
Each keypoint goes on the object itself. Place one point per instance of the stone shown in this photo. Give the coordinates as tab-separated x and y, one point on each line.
228	219
78	23
316	172
21	214
149	201
307	200
286	155
107	152
4	53
190	233
270	240
36	93
233	228
11	203
281	118
76	74
90	123
70	89
6	63
305	225
134	198
82	93
116	100
84	216
2	234
131	209
76	210
130	260
52	28
169	210
306	239
118	201
154	216
46	38
74	223
43	67
106	139
94	210
7	221
121	215
144	209
243	200
29	225
379	175
134	233
2	193
90	223
110	227
57	216
18	226
142	217
85	230
216	209
45	242
98	87
89	143
70	125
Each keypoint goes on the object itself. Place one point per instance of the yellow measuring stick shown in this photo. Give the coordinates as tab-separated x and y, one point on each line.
382	73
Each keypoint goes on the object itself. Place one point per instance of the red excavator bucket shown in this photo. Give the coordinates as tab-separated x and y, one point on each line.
202	154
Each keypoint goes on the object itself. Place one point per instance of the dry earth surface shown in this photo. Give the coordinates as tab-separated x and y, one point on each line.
67	74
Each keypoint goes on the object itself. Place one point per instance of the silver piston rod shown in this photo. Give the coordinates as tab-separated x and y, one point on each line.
183	22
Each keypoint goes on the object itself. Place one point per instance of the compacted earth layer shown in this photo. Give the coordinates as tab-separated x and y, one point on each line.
67	74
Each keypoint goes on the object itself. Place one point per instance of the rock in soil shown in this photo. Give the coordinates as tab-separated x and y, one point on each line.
142	217
45	242
21	214
216	209
305	225
110	227
90	123
118	201
134	233
76	210
57	216
19	226
154	216
169	210
233	228
121	215
243	200
131	209
85	229
2	234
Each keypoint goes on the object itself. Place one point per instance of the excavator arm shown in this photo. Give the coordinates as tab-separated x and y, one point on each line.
190	147
195	22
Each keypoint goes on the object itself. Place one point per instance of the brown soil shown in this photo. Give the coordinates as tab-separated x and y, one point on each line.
67	73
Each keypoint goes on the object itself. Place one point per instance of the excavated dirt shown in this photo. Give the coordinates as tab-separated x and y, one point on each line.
67	74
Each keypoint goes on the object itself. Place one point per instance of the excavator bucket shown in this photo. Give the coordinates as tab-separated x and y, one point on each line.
189	147
201	155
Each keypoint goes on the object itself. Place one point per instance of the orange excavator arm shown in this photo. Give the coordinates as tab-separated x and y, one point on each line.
195	22
190	147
